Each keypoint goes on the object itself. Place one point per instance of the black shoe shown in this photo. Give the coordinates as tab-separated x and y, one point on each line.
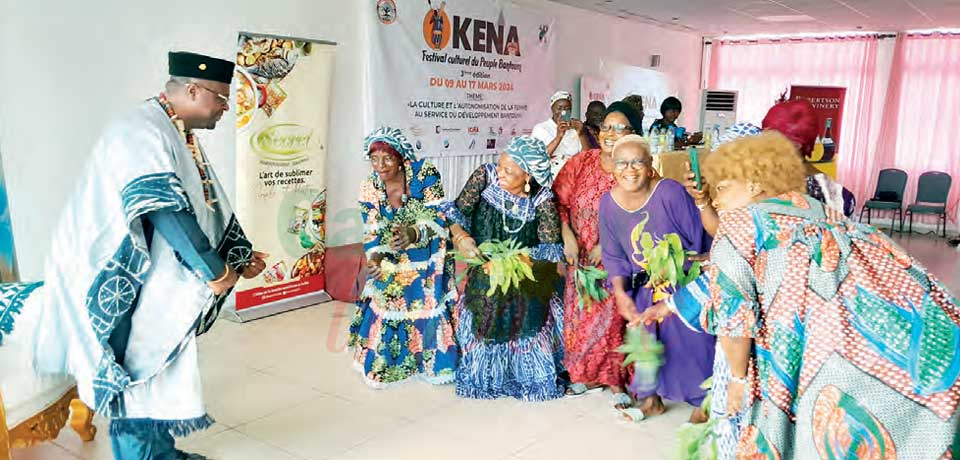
181	455
954	242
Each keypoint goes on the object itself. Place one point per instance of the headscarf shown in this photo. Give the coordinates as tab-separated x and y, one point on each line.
634	117
738	130
797	120
531	154
559	96
392	137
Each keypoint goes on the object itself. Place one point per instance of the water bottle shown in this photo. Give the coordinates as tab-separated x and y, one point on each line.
716	136
708	138
654	141
670	138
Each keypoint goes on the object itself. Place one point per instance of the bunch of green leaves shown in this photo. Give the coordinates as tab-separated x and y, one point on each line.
665	259
507	263
641	349
699	441
410	214
589	281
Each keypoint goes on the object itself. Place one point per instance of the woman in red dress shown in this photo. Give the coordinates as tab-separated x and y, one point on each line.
591	333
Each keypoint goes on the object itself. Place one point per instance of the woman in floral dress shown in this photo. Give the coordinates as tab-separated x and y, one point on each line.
840	345
402	328
511	344
592	333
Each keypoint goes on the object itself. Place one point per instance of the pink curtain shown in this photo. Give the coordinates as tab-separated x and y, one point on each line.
762	70
921	117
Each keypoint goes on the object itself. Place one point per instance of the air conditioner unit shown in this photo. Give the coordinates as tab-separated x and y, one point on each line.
718	108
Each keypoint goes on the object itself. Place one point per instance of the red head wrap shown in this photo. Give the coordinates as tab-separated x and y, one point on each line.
797	121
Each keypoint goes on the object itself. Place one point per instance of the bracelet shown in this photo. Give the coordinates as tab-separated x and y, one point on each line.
224	276
740	380
457	239
702	206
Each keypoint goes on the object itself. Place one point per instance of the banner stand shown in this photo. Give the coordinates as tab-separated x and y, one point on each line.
282	91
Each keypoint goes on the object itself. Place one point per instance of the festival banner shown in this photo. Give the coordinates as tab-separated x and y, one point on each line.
282	88
828	103
652	86
593	88
459	77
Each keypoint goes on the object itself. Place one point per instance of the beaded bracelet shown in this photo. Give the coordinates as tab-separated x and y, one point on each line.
740	380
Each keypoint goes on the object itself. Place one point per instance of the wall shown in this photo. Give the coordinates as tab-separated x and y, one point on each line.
67	67
586	38
70	66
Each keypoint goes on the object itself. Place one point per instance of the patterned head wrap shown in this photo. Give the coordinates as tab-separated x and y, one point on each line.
559	96
531	154
738	130
392	137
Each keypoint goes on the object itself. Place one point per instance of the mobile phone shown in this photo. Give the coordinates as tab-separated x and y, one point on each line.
695	167
565	115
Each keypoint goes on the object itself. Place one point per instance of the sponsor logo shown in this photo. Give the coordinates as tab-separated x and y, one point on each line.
473	130
387	11
491	144
473	144
285	142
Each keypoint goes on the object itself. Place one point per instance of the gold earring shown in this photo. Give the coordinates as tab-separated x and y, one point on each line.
526	187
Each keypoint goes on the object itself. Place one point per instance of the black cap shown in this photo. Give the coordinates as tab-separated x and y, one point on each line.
192	65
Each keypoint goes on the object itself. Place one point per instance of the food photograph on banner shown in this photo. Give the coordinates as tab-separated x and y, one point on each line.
473	73
827	101
282	88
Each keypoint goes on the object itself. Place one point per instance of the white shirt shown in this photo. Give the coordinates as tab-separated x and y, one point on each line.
569	145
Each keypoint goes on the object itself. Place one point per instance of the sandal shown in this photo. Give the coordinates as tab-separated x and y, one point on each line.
575	390
622	401
632	414
579	389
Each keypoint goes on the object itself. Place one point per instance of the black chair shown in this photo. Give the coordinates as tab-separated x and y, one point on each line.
932	190
888	196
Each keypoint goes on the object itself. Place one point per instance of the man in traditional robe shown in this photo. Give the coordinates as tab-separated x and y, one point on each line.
144	256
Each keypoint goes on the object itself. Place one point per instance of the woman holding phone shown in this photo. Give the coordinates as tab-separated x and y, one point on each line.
562	134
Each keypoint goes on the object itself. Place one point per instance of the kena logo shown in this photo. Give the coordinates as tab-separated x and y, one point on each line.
468	34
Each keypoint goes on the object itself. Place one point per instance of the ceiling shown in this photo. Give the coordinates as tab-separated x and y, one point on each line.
744	17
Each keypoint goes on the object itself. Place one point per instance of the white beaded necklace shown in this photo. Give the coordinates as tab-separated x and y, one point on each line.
524	214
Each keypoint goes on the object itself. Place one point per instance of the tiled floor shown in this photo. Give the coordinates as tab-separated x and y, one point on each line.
282	388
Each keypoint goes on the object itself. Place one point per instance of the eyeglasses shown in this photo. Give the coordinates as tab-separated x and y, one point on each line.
617	128
389	160
224	99
636	163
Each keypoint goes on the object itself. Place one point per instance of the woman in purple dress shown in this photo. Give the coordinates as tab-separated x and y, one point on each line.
665	207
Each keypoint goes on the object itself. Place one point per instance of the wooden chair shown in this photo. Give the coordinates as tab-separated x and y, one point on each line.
46	424
33	407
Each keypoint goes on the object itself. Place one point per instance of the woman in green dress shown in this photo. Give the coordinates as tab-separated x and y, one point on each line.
511	344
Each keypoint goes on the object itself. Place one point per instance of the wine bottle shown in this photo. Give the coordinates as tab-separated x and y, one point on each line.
829	146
